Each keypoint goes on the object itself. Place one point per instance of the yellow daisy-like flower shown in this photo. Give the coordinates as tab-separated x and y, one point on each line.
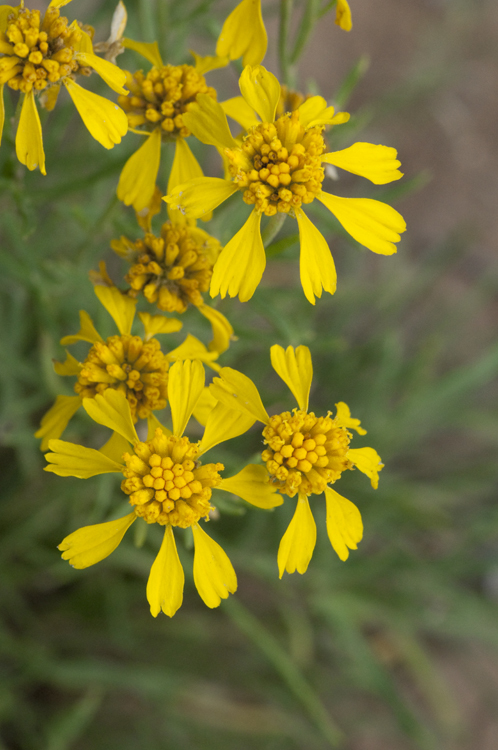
173	270
37	56
132	365
304	455
279	169
166	484
160	99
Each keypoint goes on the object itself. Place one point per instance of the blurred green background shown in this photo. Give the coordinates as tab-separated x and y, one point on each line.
395	649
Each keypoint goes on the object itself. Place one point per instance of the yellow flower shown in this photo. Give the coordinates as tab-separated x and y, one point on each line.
38	56
133	365
173	270
279	169
166	484
304	455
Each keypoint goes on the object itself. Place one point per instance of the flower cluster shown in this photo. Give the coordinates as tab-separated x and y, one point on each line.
130	382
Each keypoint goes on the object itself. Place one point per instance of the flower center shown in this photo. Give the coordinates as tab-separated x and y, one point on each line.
278	166
305	452
126	363
171	270
165	482
162	96
35	56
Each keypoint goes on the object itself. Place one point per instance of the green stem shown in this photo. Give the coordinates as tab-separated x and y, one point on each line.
310	17
326	8
272	228
283	42
286	668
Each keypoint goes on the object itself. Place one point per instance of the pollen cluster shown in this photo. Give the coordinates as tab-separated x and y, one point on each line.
161	97
305	452
278	165
127	364
171	270
165	482
36	56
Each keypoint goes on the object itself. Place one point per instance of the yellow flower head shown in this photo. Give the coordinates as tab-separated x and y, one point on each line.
133	365
171	270
37	56
166	484
279	169
305	454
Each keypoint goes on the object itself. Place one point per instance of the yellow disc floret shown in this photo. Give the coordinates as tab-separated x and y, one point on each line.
278	165
166	483
38	55
161	97
127	364
171	270
305	452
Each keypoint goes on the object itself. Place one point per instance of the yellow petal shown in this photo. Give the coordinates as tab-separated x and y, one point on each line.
343	15
54	422
185	168
298	542
207	121
252	485
316	111
29	143
91	544
185	384
368	461
239	110
2	112
137	181
105	121
87	332
166	578
112	410
316	264
244	33
344	524
240	266
261	90
58	3
204	406
154	324
371	223
115	447
210	62
192	348
238	392
110	73
70	367
5	11
296	370
152	424
149	50
120	307
214	575
344	418
224	423
377	163
200	196
222	329
70	460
